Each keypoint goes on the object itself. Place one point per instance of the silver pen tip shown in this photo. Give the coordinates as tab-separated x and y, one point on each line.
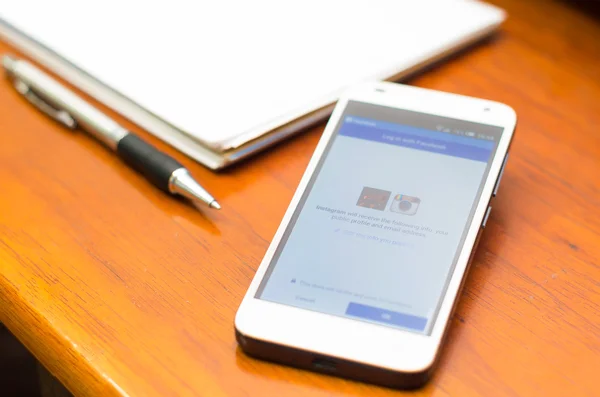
182	183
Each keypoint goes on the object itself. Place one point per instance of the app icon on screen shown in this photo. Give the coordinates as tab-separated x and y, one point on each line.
373	198
403	204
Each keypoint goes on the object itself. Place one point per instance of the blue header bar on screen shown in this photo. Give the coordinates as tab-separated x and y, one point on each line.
417	138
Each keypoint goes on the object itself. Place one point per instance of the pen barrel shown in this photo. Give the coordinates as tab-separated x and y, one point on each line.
157	167
59	97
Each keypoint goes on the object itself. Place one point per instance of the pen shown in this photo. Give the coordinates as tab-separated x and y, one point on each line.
71	111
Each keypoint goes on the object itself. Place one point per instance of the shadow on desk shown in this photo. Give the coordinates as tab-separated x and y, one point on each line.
591	7
20	373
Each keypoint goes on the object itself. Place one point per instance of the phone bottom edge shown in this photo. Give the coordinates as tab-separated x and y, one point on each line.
304	359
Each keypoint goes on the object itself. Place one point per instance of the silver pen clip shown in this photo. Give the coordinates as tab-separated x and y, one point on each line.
62	116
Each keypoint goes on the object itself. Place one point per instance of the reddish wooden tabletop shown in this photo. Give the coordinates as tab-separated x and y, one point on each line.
118	289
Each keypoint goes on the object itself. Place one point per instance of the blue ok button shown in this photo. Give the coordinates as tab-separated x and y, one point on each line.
386	316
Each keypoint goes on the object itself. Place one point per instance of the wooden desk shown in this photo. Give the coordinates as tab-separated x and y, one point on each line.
118	289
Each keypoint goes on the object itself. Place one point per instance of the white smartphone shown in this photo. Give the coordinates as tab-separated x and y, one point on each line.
363	273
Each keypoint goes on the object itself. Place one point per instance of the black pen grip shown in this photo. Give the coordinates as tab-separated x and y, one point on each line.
156	166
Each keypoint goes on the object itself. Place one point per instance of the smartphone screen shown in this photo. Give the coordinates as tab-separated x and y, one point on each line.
378	230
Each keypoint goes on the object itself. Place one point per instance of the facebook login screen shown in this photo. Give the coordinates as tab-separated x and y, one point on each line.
378	231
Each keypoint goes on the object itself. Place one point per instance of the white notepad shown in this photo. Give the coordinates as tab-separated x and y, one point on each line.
221	80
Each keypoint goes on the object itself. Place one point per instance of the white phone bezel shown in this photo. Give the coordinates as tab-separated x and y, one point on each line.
355	340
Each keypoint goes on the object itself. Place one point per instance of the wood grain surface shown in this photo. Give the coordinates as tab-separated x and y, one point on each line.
120	290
